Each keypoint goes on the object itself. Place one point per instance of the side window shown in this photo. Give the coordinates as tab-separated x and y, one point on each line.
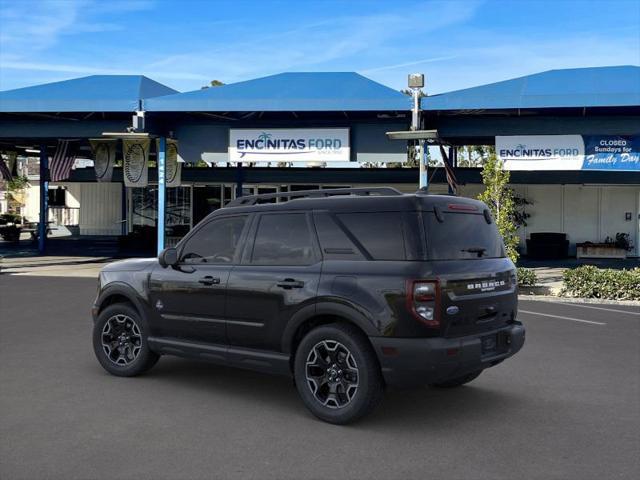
283	239
335	243
380	233
216	242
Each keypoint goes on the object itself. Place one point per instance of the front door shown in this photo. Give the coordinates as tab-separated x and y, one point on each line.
189	299
278	275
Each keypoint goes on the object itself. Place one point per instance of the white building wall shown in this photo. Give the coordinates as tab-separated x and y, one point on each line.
615	202
586	213
546	210
580	214
100	208
31	208
73	195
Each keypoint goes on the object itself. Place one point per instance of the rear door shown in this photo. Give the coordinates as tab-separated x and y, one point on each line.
477	281
278	276
189	299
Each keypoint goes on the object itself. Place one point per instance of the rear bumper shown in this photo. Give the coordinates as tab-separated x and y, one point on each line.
408	362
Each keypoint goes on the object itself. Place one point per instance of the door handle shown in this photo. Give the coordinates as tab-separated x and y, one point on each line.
209	280
288	283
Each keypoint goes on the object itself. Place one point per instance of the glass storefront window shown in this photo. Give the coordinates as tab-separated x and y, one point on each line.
144	207
144	211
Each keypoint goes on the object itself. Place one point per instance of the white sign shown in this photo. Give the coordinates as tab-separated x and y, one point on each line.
104	157
289	145
541	152
136	162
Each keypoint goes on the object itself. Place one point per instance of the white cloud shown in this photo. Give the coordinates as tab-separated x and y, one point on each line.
408	64
501	57
31	27
435	37
351	41
89	70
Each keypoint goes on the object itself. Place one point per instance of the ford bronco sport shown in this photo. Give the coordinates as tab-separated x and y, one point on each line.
346	290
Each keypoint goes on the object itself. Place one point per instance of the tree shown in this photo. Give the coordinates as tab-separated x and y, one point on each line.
500	200
213	83
474	155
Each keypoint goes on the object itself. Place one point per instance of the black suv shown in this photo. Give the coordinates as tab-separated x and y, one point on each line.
345	290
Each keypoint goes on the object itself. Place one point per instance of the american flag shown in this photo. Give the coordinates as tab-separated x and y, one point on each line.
62	161
451	176
4	170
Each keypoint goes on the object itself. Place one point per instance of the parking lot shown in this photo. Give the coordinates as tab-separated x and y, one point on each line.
566	407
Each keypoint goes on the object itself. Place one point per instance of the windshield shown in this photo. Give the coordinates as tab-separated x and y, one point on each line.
462	236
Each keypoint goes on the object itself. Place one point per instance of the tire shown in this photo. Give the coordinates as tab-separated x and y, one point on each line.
130	357
349	385
457	381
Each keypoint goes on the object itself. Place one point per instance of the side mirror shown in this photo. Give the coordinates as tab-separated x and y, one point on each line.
168	257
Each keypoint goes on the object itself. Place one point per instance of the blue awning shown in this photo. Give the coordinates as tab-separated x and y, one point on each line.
577	87
96	93
288	92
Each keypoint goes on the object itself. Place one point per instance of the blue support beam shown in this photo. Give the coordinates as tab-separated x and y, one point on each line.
44	200
162	191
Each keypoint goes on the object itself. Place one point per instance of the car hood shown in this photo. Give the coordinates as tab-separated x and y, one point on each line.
130	265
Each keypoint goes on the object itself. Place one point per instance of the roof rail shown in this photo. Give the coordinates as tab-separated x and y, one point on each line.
254	199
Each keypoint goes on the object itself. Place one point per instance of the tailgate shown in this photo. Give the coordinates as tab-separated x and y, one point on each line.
481	299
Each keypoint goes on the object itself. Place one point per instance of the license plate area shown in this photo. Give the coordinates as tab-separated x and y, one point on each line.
489	343
495	343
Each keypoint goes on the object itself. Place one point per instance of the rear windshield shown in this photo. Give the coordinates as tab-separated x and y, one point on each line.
462	236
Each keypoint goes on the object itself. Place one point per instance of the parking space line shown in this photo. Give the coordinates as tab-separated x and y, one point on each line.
561	317
598	308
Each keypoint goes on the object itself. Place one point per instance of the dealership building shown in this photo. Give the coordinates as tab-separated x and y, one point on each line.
571	139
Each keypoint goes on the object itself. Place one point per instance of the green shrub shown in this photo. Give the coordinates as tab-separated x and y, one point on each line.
526	277
592	282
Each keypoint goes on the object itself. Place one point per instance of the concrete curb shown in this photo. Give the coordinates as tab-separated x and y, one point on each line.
598	301
539	290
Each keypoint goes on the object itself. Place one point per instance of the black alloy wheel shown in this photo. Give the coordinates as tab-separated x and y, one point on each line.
332	374
337	373
120	341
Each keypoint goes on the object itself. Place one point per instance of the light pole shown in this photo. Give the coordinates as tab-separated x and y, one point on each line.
416	83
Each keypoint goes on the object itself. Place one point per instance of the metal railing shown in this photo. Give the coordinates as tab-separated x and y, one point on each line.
64	215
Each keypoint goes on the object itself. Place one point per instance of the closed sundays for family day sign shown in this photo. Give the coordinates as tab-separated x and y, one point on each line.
289	145
569	152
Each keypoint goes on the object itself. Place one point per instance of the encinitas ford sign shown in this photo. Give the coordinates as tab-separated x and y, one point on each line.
289	145
569	152
541	152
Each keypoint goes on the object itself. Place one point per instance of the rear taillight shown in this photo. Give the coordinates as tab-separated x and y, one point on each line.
423	300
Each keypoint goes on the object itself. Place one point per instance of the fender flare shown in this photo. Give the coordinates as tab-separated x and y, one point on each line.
127	291
327	307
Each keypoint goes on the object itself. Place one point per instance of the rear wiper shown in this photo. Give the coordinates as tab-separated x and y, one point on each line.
479	250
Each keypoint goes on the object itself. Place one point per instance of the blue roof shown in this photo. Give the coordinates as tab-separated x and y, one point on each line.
298	92
96	93
577	87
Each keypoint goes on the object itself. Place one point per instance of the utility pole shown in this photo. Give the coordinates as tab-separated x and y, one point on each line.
416	83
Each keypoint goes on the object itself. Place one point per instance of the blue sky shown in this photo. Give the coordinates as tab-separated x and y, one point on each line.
184	44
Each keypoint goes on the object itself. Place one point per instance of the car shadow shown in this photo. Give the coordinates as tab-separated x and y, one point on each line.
436	408
406	410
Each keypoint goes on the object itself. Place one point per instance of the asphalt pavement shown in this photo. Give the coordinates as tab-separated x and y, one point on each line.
566	407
